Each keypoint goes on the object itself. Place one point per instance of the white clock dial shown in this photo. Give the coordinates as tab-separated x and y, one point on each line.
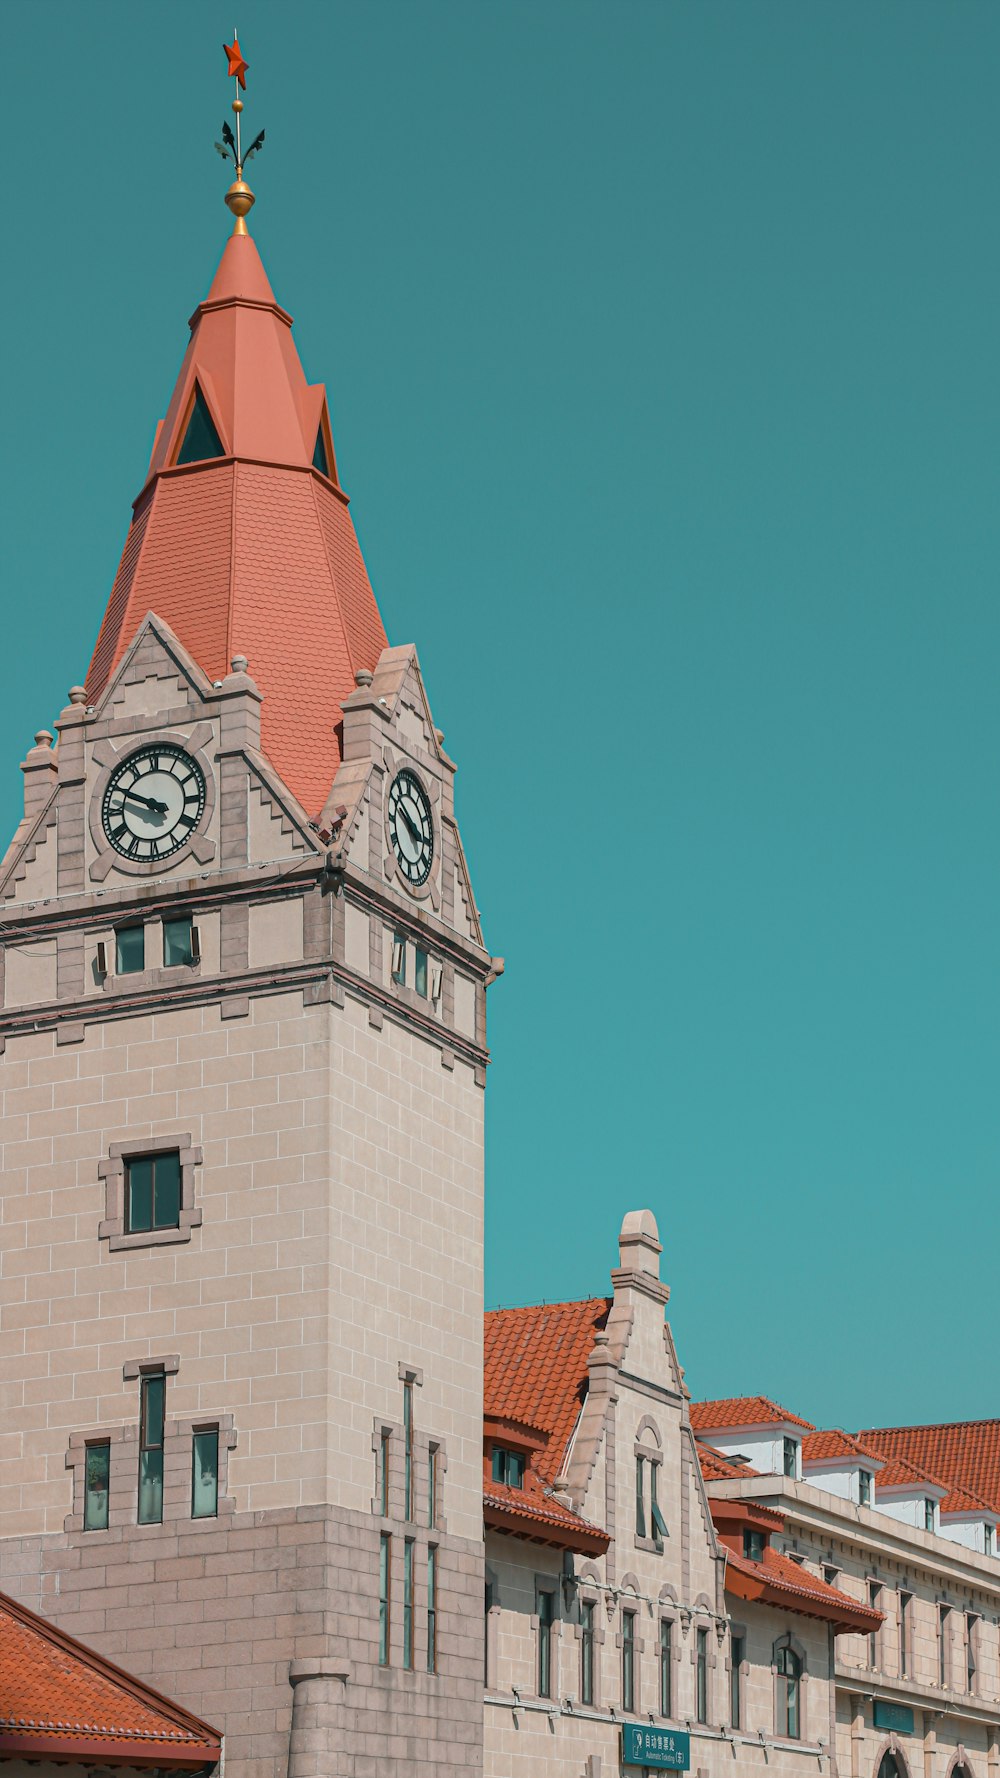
411	828
153	803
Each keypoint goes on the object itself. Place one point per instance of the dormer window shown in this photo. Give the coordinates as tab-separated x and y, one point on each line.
790	1450
929	1515
988	1539
753	1545
201	440
319	454
508	1467
864	1487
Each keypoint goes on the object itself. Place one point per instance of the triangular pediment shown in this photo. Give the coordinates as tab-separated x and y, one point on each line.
155	655
29	872
277	826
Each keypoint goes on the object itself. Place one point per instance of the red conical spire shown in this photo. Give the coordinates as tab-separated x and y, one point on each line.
241	538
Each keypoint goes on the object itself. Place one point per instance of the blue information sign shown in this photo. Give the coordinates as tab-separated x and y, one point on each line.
893	1716
666	1750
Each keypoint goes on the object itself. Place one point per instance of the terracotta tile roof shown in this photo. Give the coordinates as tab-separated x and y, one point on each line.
254	553
535	1368
782	1581
60	1700
821	1447
742	1410
960	1500
535	1374
897	1473
962	1453
717	1468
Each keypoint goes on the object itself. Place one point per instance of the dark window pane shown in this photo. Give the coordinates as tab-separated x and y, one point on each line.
166	1190
139	1191
408	1603
177	946
420	972
515	1469
384	1579
98	1472
150	1487
153	1392
319	457
432	1609
130	949
205	1475
201	440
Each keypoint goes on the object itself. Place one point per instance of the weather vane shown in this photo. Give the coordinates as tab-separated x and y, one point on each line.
239	197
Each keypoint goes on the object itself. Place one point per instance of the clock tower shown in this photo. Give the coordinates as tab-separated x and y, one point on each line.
242	1081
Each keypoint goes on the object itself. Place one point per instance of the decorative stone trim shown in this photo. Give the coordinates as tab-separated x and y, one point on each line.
145	1367
112	1171
109	756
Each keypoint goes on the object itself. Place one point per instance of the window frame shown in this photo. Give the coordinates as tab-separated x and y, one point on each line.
790	1454
628	1658
904	1601
432	1590
737	1655
588	1643
544	1620
127	928
104	1445
385	1599
154	1160
201	1432
701	1675
151	1448
665	1667
114	1226
788	1692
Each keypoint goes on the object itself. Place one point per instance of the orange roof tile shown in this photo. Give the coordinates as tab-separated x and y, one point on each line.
962	1453
717	1468
821	1447
897	1473
778	1580
961	1500
253	553
536	1514
535	1363
60	1700
742	1410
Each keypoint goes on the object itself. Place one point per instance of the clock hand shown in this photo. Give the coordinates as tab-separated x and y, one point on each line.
148	802
414	831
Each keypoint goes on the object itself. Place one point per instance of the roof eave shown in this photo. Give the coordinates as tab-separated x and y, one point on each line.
96	1749
582	1540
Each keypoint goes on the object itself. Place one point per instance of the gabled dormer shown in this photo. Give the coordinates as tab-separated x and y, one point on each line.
754	1431
839	1464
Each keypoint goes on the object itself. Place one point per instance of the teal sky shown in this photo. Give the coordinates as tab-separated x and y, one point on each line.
661	343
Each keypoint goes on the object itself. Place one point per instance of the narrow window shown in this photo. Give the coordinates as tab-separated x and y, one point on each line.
789	1454
432	1486
151	1420
201	440
944	1613
666	1667
399	958
97	1478
988	1539
544	1603
205	1473
420	972
384	1596
830	1574
152	1191
486	1632
753	1545
431	1608
178	942
864	1487
658	1522
928	1515
587	1652
904	1633
383	1473
640	1505
701	1675
628	1660
789	1674
408	1452
735	1662
971	1637
508	1467
130	949
874	1595
319	453
408	1603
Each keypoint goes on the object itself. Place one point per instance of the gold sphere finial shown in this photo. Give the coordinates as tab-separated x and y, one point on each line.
240	200
237	106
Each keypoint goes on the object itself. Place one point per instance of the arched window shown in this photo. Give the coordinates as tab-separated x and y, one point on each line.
889	1767
789	1686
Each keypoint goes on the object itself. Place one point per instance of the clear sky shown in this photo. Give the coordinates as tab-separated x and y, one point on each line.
661	342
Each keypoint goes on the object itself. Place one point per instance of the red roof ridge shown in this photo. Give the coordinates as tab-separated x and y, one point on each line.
774	1413
573	1302
931	1426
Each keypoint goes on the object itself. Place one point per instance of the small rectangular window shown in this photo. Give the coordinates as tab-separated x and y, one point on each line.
431	1609
628	1660
874	1595
508	1467
545	1611
97	1479
152	1191
904	1633
383	1474
658	1524
384	1597
640	1503
408	1603
790	1457
666	1668
988	1539
701	1666
408	1452
152	1402
587	1652
971	1640
830	1574
178	942
399	958
432	1486
864	1487
753	1545
130	949
420	972
736	1661
205	1473
928	1515
944	1634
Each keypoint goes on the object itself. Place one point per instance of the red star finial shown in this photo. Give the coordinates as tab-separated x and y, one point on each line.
237	66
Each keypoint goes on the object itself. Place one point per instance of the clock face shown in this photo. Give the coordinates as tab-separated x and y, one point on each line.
153	803
411	828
